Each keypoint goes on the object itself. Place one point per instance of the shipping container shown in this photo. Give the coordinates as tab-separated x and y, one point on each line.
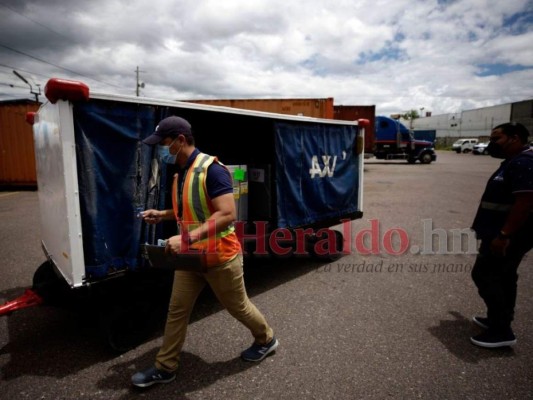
307	107
354	113
17	156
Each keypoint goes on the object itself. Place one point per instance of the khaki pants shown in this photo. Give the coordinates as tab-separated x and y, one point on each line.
227	283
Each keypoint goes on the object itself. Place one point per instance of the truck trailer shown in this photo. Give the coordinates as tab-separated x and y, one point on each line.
295	174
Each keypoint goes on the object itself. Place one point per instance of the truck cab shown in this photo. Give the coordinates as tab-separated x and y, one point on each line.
394	141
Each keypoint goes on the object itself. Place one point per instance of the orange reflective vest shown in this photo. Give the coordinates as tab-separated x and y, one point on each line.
218	247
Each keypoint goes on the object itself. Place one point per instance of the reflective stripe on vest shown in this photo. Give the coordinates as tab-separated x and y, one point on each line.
197	208
495	206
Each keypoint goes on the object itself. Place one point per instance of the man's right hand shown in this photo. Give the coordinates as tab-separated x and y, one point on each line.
152	216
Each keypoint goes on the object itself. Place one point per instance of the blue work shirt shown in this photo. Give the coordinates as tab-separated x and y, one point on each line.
513	176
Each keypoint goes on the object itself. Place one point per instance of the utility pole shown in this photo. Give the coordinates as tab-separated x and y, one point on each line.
31	88
139	84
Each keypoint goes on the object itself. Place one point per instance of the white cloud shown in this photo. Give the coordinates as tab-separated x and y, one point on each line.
397	55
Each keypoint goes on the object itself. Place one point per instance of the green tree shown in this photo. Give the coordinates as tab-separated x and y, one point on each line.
410	116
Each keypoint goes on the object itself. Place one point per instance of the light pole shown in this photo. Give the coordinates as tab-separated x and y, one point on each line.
31	88
139	85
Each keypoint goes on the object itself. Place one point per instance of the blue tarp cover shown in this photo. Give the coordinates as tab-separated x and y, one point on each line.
317	173
316	177
113	171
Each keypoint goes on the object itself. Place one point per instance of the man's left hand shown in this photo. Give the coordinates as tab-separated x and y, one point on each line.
174	245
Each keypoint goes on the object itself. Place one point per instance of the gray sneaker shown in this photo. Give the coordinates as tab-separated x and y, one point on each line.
150	376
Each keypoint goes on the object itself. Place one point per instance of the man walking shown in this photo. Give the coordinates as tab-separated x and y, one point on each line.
504	223
204	206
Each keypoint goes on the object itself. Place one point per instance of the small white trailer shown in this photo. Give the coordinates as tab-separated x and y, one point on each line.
290	173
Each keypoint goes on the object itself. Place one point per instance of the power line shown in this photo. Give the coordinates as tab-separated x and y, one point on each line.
34	21
13	86
57	66
23	70
46	62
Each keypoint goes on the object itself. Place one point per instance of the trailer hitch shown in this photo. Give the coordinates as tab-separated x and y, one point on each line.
30	298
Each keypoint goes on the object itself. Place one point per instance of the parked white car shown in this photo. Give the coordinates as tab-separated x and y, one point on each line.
464	145
480	148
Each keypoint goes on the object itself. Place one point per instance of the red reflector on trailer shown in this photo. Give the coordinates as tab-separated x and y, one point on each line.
363	122
30	117
63	89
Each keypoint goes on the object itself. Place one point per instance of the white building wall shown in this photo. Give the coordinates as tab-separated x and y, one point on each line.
446	125
476	123
480	122
469	123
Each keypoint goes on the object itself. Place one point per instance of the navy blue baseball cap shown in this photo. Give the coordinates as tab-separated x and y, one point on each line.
169	127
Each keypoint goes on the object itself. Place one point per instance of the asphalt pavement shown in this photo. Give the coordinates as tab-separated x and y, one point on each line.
392	319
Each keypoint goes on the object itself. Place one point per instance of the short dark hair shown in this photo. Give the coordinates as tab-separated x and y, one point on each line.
514	128
189	139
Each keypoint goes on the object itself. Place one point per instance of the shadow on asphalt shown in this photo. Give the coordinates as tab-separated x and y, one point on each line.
391	162
61	341
455	334
198	374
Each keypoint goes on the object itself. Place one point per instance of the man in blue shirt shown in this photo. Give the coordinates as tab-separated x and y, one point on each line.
204	208
504	223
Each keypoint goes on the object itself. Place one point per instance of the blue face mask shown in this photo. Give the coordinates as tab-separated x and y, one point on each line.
165	156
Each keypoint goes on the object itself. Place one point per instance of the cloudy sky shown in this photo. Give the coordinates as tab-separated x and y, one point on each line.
440	55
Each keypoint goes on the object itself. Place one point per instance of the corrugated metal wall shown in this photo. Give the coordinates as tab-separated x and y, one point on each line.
477	123
17	156
522	112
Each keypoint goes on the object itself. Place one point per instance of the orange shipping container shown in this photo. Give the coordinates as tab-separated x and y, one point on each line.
17	155
317	108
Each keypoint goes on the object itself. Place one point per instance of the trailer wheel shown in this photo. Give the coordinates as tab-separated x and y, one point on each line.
50	286
132	309
124	328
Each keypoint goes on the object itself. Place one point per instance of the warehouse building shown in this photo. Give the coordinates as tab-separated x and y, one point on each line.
476	123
